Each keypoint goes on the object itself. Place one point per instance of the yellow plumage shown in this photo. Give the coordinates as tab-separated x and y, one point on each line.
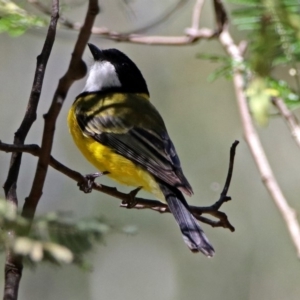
103	158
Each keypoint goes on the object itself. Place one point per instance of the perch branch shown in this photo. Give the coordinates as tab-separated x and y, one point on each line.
198	211
141	203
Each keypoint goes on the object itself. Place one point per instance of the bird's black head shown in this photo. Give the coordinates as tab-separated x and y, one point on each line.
114	71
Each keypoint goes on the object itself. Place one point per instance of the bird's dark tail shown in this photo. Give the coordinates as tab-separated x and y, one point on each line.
191	231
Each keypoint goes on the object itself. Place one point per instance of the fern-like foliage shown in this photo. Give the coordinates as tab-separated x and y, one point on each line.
53	237
274	32
273	37
273	28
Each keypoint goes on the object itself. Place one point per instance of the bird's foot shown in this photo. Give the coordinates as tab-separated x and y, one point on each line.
87	184
131	202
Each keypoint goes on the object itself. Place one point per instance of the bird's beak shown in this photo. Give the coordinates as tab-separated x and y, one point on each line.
96	52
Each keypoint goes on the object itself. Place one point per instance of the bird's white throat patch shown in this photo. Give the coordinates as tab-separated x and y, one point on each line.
102	75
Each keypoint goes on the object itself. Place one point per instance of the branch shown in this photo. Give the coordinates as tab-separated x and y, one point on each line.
30	115
252	138
162	18
220	14
64	21
13	264
198	211
77	69
197	14
290	118
191	36
141	203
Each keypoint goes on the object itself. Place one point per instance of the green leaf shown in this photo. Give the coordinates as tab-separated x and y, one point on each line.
288	95
259	100
227	67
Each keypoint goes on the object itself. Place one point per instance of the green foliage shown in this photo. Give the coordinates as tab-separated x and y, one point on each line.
273	28
53	237
274	32
226	68
259	92
15	21
259	100
283	90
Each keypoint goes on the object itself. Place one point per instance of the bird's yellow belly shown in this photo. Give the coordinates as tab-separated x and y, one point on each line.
104	159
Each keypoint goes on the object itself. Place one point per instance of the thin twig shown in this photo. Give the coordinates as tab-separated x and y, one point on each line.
194	29
13	264
220	14
196	14
162	18
230	169
290	118
64	21
141	203
251	135
191	36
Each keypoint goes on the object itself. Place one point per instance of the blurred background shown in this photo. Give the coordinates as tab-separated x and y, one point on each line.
257	261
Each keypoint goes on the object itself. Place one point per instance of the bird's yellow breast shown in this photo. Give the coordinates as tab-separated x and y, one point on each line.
104	159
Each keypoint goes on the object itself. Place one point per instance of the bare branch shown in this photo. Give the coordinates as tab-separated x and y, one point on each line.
196	14
230	169
141	203
196	211
191	36
30	114
221	15
253	141
13	264
77	69
194	29
64	21
290	118
162	18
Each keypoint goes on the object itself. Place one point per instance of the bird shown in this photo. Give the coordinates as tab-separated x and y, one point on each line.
120	132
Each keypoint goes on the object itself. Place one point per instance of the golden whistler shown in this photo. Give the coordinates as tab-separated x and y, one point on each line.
119	131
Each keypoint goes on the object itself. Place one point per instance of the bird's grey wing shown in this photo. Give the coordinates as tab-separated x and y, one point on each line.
156	154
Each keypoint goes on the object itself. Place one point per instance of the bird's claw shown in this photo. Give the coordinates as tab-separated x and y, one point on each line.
87	184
